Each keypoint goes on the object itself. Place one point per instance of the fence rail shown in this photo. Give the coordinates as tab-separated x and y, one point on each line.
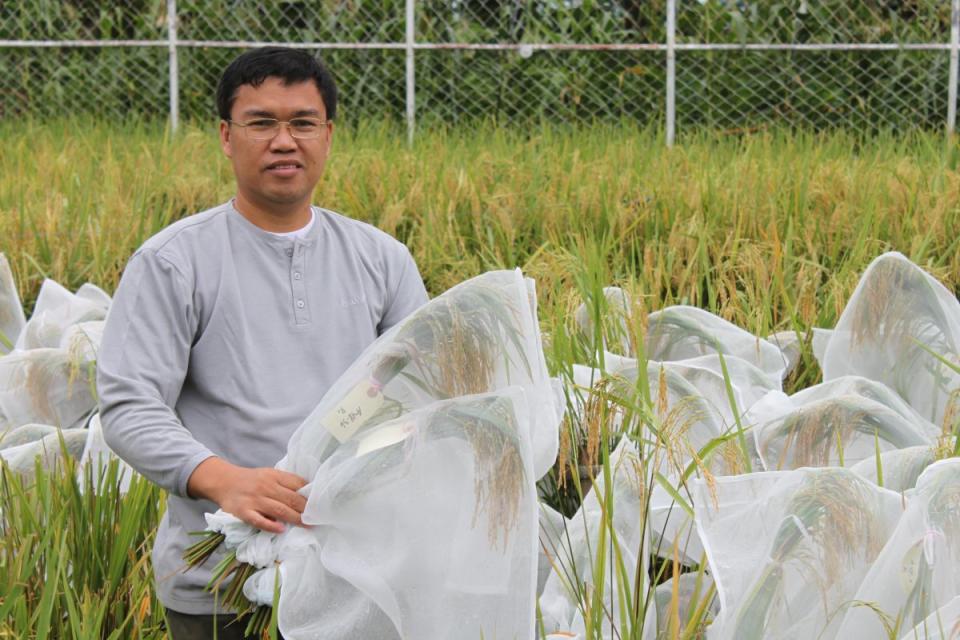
673	63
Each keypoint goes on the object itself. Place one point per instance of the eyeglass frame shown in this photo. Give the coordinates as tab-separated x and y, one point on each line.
320	123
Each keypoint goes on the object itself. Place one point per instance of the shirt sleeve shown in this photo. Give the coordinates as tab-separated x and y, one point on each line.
141	367
407	293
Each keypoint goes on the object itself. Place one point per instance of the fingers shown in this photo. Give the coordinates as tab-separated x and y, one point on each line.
266	498
279	511
290	480
260	522
288	496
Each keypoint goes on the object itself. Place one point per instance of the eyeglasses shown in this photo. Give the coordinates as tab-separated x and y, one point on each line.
269	128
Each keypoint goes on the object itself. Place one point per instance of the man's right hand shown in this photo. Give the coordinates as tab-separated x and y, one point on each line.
264	497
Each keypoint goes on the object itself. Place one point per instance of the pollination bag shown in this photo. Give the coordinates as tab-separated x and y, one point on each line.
834	431
681	333
898	470
45	386
942	624
681	600
24	434
82	341
436	434
788	550
750	385
428	522
11	311
97	456
872	390
790	345
819	343
95	295
480	336
55	310
916	574
687	410
615	310
596	554
553	526
48	452
896	324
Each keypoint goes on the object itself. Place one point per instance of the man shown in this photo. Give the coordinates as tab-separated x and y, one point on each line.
230	325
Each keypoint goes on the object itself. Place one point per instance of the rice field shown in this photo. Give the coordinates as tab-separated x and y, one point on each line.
771	232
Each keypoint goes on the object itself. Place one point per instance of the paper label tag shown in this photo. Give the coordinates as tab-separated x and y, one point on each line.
384	437
362	402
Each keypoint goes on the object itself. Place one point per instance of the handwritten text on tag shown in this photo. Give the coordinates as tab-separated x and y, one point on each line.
354	410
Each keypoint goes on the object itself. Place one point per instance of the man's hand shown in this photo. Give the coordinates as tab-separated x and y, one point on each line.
264	498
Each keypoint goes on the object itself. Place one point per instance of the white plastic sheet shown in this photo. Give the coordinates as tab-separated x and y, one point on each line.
788	550
896	314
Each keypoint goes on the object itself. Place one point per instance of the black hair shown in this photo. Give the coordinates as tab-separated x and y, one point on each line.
290	65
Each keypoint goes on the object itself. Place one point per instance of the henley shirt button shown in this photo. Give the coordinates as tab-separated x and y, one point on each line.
296	275
289	252
299	304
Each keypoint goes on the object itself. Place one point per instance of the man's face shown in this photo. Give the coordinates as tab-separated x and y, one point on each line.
276	175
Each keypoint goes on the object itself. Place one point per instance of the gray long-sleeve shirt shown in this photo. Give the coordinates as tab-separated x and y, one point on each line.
222	338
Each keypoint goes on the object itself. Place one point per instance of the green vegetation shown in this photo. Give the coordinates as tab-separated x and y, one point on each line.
770	231
865	90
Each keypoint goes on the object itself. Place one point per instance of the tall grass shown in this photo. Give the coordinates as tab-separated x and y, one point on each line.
770	231
75	556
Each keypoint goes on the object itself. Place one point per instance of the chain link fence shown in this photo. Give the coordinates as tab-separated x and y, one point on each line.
729	64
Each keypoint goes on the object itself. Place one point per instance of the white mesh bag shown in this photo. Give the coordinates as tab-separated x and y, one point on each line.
896	313
788	550
681	332
55	310
480	336
82	341
900	468
942	624
553	526
824	432
96	457
691	591
615	309
11	311
917	572
580	553
45	386
23	458
870	389
24	434
432	518
384	446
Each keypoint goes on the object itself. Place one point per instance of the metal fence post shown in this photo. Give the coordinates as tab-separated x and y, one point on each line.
411	78
954	67
174	64
671	124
